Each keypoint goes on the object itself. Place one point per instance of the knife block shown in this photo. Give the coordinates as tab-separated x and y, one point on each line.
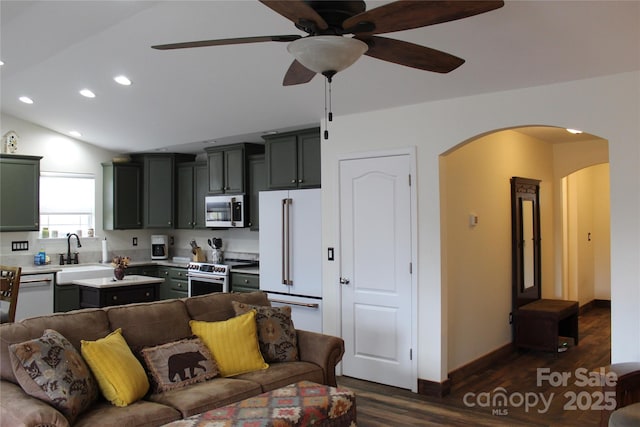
198	255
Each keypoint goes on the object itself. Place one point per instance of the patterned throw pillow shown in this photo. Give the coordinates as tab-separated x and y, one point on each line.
180	363
51	369
276	334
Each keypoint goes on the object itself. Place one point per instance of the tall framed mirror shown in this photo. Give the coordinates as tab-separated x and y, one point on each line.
525	239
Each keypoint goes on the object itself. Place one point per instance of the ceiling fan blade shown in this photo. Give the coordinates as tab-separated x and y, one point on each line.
411	55
222	42
297	74
295	11
408	14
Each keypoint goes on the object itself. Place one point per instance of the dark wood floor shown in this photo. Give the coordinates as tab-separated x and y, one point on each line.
517	375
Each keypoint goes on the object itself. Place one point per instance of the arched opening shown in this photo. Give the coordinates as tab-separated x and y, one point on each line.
476	228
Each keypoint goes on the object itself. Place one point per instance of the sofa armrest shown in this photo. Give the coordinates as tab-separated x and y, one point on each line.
626	387
324	350
18	409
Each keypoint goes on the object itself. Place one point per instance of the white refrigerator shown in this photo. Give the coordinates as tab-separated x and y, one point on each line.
291	253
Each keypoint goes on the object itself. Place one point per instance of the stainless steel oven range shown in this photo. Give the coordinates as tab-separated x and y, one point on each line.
206	278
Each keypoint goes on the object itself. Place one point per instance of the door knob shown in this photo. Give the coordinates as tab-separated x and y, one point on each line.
344	281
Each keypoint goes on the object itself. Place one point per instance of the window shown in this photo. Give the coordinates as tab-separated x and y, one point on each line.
67	202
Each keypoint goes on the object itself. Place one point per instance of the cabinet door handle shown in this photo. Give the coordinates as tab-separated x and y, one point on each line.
293	181
147	294
299	180
246	280
115	297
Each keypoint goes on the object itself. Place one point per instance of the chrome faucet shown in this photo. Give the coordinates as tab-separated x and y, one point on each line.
73	260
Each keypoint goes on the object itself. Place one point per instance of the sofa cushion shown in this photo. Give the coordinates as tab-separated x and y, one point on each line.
217	306
276	333
149	324
51	369
179	363
282	374
140	413
120	375
202	397
627	416
89	324
233	343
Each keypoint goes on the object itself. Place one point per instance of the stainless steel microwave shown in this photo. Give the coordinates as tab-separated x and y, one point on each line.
225	211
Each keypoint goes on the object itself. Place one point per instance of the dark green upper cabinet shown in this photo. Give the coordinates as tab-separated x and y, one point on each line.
227	167
293	159
159	180
158	196
257	183
20	191
192	187
122	196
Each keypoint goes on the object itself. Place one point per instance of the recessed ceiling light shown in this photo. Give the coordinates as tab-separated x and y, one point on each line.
87	93
574	131
123	80
26	99
75	133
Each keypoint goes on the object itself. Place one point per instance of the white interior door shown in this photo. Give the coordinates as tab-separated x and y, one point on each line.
375	221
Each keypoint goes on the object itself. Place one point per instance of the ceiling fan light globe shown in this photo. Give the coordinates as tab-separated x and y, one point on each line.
324	54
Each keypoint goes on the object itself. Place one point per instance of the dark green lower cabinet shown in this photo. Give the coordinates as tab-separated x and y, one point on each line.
177	284
66	298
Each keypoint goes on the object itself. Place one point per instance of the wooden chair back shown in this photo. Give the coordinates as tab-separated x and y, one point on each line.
9	286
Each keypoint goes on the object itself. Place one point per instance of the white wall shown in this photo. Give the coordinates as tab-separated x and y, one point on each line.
589	234
608	107
477	260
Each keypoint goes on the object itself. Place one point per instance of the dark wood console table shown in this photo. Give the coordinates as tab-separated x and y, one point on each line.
539	324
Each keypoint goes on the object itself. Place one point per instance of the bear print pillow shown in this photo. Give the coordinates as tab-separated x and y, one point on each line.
177	364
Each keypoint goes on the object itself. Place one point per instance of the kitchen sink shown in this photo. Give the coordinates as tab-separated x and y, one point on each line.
70	273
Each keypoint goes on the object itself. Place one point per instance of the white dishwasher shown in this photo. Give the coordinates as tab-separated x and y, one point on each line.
35	295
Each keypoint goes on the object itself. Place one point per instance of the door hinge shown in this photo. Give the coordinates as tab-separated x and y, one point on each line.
410	354
410	268
409	180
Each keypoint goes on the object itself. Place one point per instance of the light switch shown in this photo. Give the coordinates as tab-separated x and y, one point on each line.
473	220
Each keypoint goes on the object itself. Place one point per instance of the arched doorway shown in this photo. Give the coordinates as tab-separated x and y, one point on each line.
476	267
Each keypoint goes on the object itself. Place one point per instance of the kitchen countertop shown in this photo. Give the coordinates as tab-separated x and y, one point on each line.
54	268
108	282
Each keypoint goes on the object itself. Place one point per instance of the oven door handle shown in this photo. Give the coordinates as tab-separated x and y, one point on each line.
206	278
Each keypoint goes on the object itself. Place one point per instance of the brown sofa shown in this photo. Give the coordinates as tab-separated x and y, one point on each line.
150	324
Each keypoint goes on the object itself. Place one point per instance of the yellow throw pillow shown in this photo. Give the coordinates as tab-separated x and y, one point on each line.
120	375
233	343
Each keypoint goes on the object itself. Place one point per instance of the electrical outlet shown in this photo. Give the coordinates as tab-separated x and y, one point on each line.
22	245
134	241
330	255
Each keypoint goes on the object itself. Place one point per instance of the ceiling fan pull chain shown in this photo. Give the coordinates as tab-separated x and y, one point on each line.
326	114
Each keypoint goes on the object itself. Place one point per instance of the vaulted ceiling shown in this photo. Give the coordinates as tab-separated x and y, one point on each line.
184	99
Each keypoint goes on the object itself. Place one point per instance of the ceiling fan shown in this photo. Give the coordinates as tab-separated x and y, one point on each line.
327	51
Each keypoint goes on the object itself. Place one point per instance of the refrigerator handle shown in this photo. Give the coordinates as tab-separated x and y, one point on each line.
286	243
282	236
